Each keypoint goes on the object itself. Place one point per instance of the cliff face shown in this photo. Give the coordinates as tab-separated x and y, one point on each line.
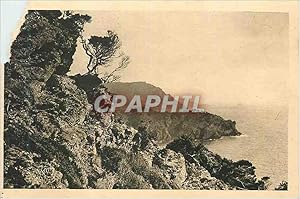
44	110
54	139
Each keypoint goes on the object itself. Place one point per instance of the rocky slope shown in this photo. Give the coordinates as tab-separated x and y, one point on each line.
54	139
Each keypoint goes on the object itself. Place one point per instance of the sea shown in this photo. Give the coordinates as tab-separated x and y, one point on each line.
264	139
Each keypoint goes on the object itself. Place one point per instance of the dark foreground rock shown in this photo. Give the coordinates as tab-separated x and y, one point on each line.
283	186
54	139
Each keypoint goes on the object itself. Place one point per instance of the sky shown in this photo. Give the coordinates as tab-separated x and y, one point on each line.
225	57
11	13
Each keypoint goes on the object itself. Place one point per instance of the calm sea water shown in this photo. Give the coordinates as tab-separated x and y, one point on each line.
264	141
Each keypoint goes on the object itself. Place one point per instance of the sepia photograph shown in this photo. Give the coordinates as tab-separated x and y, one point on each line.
150	96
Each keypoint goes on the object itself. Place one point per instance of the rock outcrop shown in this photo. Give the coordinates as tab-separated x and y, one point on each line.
54	139
240	174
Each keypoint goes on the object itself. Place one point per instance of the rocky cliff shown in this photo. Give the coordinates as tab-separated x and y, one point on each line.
54	139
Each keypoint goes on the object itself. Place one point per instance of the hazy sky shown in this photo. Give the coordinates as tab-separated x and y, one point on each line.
233	57
12	13
226	57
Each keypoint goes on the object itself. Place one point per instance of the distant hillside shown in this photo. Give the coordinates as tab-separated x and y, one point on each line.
143	89
134	88
166	127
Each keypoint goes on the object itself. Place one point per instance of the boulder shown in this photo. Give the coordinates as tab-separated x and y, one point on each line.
172	165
